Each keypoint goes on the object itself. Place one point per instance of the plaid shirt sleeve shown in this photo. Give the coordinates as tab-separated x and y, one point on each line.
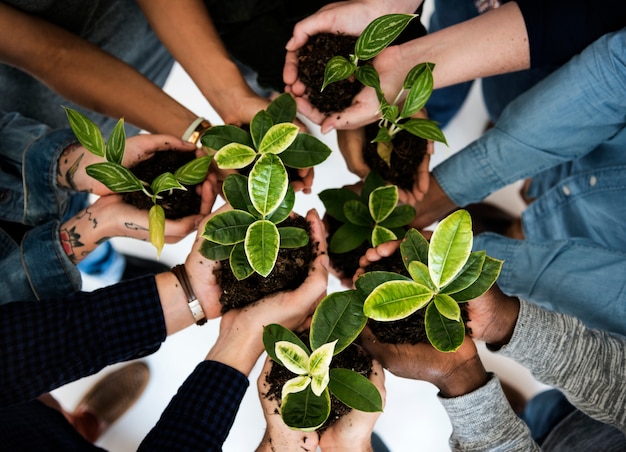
44	345
201	414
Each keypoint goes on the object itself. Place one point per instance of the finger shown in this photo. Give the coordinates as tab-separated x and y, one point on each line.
176	230
318	231
290	70
307	110
208	196
363	111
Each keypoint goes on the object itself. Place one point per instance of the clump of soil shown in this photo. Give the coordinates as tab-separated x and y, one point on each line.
291	269
408	152
353	357
312	59
344	264
177	203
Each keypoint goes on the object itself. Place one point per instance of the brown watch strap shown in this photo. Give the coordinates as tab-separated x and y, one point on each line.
194	305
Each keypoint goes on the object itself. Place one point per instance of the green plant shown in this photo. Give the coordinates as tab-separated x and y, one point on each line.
418	84
373	216
271	132
120	179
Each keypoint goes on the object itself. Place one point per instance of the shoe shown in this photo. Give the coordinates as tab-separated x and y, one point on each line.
137	266
108	399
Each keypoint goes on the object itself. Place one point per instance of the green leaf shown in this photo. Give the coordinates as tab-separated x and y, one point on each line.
489	275
282	109
235	188
239	263
415	72
382	202
116	177
295	384
319	383
450	247
86	131
260	124
285	208
339	316
424	128
235	156
390	112
468	274
400	216
419	92
215	251
306	151
444	334
367	282
278	138
354	390
292	237
419	273
372	181
348	237
261	244
334	199
195	171
368	76
156	227
219	136
395	300
338	68
116	144
414	247
357	213
165	182
319	361
267	184
381	235
273	333
380	33
228	228
448	307
293	357
304	410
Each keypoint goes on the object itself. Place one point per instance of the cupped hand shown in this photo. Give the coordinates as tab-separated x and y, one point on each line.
492	317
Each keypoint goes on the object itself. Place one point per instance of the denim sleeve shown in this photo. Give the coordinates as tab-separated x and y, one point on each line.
483	420
560	119
29	152
587	365
573	276
38	267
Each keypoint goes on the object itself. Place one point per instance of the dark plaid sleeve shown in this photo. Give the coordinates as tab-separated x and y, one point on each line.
44	345
201	414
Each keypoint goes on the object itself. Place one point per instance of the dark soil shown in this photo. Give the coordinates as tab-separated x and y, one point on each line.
408	153
344	264
291	269
178	203
354	357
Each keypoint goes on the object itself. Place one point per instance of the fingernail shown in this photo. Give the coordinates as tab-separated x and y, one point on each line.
289	43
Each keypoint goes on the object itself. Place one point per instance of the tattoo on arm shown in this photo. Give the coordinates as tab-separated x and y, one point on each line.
68	166
70	241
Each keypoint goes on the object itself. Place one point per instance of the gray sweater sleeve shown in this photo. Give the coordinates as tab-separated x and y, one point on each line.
588	365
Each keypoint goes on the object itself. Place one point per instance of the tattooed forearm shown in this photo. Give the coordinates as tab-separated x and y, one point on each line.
69	162
70	241
88	216
135	227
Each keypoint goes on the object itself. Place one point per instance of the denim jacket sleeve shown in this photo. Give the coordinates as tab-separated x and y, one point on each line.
564	117
29	152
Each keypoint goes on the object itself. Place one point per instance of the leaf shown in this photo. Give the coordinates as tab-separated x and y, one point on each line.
395	300
419	273
419	92
116	143
304	410
357	213
319	383
400	216
368	76
354	390
259	126
424	128
282	109
295	384
219	136
489	274
293	357
156	227
228	228
306	151
285	208
450	247
320	359
338	68
334	199
468	274
380	33
86	131
165	182
116	177
444	334
267	184
382	136
339	317
195	171
448	307
239	263
292	237
384	149
415	72
278	138
235	156
261	244
414	248
382	202
372	181
215	251
273	333
235	188
381	235
348	237
367	282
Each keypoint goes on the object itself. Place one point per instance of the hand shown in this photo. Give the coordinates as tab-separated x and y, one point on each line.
431	205
492	317
351	144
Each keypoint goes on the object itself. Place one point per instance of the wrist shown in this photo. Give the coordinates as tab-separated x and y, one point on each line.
501	330
468	377
237	349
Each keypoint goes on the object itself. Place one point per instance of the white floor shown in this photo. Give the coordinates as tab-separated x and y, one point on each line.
413	419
